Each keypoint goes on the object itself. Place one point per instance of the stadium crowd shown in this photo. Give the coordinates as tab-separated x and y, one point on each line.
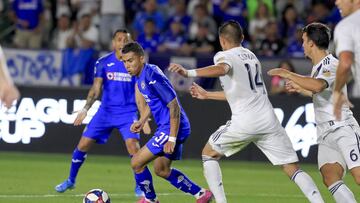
181	27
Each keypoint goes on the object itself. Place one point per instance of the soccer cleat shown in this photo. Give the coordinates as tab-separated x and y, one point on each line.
144	200
62	187
138	191
206	197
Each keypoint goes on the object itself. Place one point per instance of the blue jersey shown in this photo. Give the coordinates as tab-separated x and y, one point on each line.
158	92
118	94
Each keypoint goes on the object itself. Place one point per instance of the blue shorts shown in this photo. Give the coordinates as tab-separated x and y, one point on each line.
103	123
157	142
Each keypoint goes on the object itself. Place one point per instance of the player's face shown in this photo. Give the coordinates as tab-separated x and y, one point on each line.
133	63
345	6
306	44
120	40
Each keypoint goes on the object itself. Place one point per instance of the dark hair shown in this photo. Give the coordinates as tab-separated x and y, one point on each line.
133	47
121	31
319	34
231	30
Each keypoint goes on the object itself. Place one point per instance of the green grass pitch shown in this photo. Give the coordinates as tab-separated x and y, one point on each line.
30	177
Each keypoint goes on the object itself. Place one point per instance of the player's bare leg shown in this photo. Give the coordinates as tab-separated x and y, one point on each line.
332	177
133	146
212	172
304	182
355	172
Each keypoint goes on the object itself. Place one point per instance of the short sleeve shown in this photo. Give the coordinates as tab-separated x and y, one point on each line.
343	39
160	85
328	73
220	57
98	69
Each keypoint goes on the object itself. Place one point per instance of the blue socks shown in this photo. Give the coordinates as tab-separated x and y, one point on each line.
144	180
78	159
183	183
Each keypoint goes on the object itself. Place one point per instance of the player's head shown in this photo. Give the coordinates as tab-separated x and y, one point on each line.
120	38
133	56
230	34
347	7
315	36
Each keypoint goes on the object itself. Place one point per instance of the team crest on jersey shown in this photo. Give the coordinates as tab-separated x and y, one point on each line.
326	73
142	85
110	75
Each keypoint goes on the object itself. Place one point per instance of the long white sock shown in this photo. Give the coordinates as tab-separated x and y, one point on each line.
213	177
341	193
307	186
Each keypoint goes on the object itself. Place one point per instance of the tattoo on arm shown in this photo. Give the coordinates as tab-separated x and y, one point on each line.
174	109
94	93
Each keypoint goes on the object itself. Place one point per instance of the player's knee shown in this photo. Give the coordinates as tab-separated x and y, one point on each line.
136	167
209	152
132	146
357	178
162	172
329	179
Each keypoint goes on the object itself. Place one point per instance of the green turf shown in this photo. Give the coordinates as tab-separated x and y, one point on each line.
28	177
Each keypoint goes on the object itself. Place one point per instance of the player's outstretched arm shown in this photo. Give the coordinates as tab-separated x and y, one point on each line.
293	87
144	111
209	71
198	92
174	109
8	91
93	95
311	84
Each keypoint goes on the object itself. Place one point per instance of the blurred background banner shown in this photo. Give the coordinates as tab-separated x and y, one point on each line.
42	122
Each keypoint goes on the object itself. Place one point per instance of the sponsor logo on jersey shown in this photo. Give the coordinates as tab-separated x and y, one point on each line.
118	76
326	73
110	64
152	82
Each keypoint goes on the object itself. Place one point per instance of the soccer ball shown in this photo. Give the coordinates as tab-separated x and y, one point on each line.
96	196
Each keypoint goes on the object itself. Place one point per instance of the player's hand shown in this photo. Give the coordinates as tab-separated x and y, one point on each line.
8	94
339	99
198	92
80	117
136	127
279	72
177	68
169	147
292	87
146	129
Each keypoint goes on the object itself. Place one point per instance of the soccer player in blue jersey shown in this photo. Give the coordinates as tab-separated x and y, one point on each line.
173	128
118	108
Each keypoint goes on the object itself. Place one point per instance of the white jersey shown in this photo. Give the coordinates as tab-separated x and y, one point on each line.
245	92
347	38
323	102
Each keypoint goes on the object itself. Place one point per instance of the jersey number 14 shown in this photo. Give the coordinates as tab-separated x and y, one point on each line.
256	81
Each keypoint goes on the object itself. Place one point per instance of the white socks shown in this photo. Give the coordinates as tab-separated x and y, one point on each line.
307	186
341	193
213	177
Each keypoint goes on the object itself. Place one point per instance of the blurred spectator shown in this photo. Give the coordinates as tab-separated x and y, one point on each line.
278	83
6	25
253	7
150	39
294	47
202	43
173	39
112	18
28	17
85	34
272	45
258	24
323	14
180	15
233	10
62	32
201	16
300	6
289	23
193	3
150	11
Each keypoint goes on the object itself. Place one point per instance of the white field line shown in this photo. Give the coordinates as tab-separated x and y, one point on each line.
159	194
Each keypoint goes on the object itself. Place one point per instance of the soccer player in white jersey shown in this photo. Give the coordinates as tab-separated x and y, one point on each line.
253	118
8	91
339	146
347	44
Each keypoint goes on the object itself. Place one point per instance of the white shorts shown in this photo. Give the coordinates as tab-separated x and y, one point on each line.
340	146
276	146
